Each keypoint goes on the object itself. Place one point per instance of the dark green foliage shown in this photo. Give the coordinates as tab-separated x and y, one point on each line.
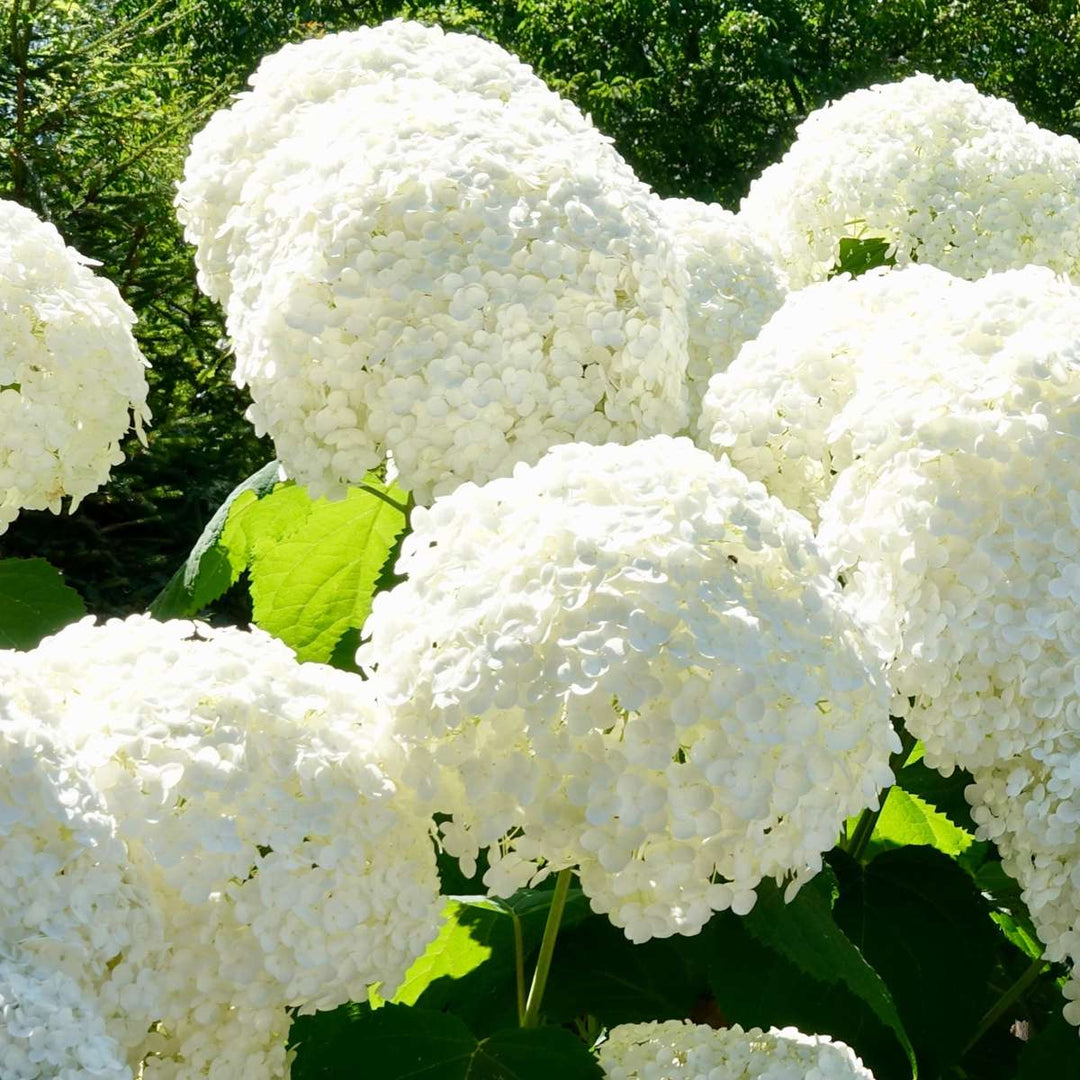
34	602
400	1043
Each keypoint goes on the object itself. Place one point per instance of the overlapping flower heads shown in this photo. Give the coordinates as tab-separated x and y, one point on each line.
932	425
632	661
734	287
276	863
675	1050
443	262
945	174
71	375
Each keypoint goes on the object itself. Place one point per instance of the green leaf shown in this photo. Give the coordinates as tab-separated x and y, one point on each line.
313	564
857	255
922	924
755	986
485	995
806	933
598	972
944	793
1004	895
1053	1052
908	820
453	954
398	1042
34	602
208	571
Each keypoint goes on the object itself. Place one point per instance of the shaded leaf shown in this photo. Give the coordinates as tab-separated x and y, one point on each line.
34	602
398	1042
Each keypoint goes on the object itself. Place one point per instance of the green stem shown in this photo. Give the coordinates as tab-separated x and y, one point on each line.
402	508
1003	1003
864	829
547	948
519	964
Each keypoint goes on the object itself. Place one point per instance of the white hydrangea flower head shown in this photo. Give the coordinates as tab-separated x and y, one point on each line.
772	411
71	374
1029	805
735	286
256	789
957	526
945	174
636	660
50	1027
304	76
676	1050
72	907
455	276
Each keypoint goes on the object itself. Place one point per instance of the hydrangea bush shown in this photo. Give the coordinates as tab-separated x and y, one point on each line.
616	755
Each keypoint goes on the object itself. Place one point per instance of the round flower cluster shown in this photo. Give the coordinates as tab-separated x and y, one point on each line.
773	410
734	287
946	175
71	375
630	660
1029	806
675	1050
250	804
445	263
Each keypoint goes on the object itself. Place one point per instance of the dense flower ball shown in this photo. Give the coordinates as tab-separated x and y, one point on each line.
71	375
252	801
675	1050
957	525
633	661
734	287
447	264
946	175
50	1027
1029	805
774	410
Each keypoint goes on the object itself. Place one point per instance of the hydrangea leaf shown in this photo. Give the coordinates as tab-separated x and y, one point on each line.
859	254
806	933
755	985
453	954
34	602
922	923
481	989
1048	1052
399	1042
314	564
598	972
907	819
944	793
210	568
982	862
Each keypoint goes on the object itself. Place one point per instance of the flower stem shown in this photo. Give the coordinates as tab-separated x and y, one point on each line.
999	1008
547	948
519	965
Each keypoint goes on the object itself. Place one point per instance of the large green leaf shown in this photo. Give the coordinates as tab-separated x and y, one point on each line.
313	564
806	933
470	969
34	602
756	986
598	972
907	819
1053	1053
398	1042
922	924
209	570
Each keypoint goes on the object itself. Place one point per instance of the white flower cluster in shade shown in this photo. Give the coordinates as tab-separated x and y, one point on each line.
734	287
674	1050
1029	805
633	661
945	174
71	374
254	854
424	251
